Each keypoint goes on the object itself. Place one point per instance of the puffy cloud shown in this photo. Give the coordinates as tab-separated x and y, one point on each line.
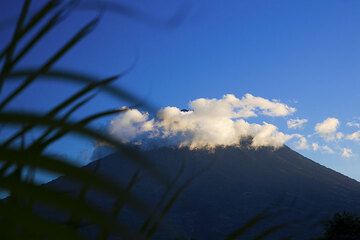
315	146
346	153
208	123
327	129
328	126
353	136
302	142
268	135
353	124
327	149
128	125
322	148
266	107
296	123
339	135
247	106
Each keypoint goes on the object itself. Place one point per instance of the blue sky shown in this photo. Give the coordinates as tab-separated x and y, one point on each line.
306	54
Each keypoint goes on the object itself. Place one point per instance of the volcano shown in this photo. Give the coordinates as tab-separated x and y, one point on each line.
217	191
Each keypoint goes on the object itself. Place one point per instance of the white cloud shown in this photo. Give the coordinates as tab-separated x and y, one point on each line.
328	129
328	126
315	147
264	106
339	135
302	142
322	148
327	149
268	135
208	123
129	124
353	136
296	123
346	153
247	106
353	124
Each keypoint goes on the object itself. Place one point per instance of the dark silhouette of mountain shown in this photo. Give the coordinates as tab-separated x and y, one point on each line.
231	186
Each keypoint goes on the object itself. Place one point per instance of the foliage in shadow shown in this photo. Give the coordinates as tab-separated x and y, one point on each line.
20	160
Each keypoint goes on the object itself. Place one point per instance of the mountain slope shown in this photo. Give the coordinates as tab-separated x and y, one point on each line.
231	186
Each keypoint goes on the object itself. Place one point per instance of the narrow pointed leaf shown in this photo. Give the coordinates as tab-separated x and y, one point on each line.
39	120
62	166
58	55
34	224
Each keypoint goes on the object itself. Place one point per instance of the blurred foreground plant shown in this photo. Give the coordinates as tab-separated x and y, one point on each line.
20	159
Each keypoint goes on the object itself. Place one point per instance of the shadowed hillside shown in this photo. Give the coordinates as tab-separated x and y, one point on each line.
231	186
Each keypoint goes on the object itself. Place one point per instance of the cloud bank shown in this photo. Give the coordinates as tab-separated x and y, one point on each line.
322	148
353	124
229	121
328	129
355	136
296	123
208	123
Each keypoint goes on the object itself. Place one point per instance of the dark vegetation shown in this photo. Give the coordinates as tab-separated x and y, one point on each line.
21	159
343	226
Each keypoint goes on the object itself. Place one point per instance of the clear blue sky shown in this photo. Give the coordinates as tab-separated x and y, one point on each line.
304	53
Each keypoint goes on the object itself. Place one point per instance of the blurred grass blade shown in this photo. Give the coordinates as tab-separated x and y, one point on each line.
61	166
82	92
247	226
164	196
41	138
158	220
16	36
17	209
7	66
137	14
46	9
73	220
63	105
39	120
37	37
267	232
83	78
26	219
58	55
49	130
83	122
118	206
287	238
59	200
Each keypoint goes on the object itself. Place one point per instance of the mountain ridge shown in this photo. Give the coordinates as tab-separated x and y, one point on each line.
237	184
